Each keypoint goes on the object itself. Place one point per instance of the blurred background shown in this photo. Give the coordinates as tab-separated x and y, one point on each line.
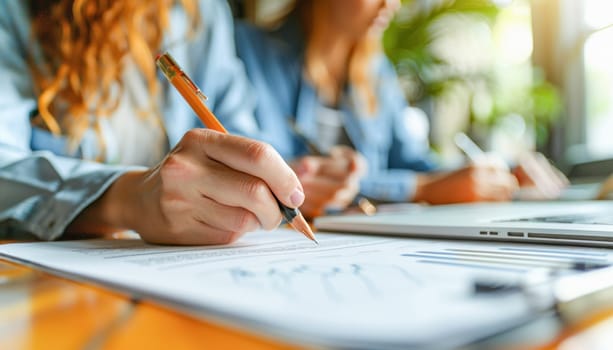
515	75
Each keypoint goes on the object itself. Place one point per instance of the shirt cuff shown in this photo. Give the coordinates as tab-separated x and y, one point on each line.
391	186
55	213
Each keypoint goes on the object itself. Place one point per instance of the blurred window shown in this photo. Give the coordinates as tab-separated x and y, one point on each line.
598	68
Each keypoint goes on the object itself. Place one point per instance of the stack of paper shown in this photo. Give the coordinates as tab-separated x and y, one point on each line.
351	291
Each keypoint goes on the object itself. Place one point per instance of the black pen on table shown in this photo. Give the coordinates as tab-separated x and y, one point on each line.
365	205
195	98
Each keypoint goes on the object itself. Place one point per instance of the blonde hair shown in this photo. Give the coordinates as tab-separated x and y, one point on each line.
360	73
84	45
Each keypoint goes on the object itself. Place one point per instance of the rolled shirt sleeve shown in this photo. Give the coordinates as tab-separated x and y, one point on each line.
42	193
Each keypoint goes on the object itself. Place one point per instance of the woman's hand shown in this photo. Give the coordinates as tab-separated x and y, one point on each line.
329	181
210	189
471	184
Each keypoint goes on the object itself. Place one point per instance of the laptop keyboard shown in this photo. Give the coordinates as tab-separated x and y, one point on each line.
589	219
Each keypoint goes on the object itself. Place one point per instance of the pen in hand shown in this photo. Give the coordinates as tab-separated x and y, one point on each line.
469	147
195	98
538	177
476	154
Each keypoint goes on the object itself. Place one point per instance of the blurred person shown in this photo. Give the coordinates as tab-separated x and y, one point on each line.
321	77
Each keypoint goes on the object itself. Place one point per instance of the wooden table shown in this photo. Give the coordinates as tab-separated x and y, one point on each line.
42	311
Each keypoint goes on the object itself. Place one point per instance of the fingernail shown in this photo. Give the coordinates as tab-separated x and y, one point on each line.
297	198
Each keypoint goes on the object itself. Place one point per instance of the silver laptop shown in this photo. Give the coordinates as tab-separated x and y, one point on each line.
576	223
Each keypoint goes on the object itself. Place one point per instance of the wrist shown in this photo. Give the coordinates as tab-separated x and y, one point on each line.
421	182
122	200
114	210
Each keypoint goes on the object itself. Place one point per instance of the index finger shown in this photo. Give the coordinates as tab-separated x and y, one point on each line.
257	159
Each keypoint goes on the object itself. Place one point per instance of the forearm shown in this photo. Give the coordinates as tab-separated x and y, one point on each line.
423	191
470	184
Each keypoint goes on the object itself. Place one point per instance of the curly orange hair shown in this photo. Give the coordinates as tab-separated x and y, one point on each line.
84	45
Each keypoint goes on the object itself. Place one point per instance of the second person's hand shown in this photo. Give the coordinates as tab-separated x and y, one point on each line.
330	182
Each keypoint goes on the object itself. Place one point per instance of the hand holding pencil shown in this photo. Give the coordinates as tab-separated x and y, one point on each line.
250	186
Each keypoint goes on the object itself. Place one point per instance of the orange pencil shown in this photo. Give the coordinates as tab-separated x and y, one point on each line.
195	98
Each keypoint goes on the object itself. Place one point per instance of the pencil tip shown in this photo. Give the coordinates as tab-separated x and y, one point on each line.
301	225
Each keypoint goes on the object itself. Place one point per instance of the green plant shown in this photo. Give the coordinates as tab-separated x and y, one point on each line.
409	38
495	90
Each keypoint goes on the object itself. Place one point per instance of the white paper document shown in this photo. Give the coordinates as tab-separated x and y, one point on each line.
351	291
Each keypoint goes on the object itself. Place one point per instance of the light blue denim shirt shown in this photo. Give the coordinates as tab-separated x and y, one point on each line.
393	148
42	187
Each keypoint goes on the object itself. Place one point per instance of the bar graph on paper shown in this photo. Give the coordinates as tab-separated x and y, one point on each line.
333	281
392	268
